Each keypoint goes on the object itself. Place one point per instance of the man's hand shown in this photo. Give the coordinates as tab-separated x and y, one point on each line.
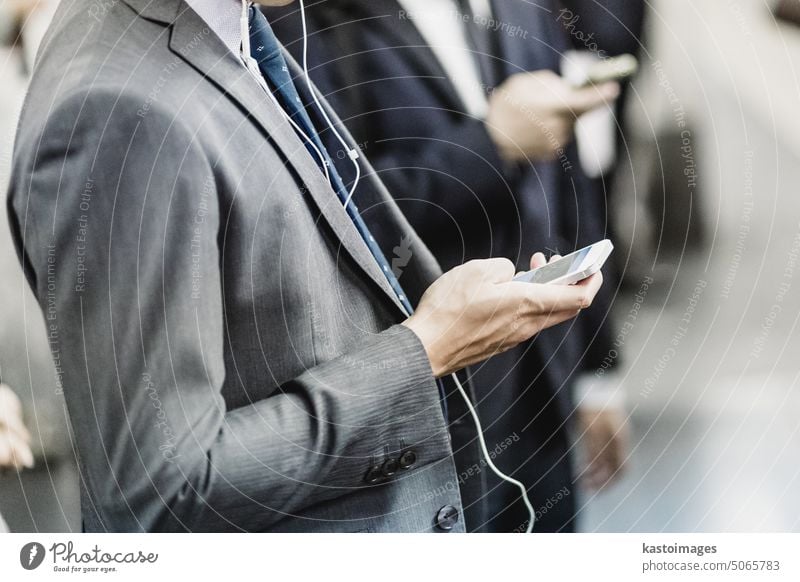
476	311
15	450
606	439
532	115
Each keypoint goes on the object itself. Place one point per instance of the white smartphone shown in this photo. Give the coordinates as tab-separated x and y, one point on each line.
612	69
573	268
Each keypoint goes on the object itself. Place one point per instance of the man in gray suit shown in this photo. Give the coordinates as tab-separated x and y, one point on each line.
234	351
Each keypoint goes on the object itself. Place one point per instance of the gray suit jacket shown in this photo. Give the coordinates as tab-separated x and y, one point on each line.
227	346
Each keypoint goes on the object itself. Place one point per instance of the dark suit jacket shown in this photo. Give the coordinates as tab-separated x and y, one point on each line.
614	26
373	65
227	345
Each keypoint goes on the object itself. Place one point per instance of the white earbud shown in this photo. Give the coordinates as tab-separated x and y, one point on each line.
244	27
485	450
352	153
244	24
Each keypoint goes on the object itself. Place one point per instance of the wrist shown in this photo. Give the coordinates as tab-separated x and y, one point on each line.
432	349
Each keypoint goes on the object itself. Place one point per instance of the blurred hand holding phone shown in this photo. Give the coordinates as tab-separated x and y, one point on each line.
604	70
596	131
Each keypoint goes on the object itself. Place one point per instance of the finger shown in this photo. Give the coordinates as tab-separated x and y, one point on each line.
497	270
546	299
619	470
557	318
9	401
579	101
14	453
5	452
601	480
24	456
539	81
617	456
21	432
554	258
538	260
596	475
21	453
590	286
606	461
15	424
534	325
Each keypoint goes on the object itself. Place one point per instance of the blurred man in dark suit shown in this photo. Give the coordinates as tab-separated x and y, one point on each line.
614	26
461	109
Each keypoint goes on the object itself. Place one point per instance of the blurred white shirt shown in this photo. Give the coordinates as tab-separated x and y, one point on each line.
442	26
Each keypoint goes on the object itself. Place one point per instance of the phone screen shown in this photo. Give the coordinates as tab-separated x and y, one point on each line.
559	268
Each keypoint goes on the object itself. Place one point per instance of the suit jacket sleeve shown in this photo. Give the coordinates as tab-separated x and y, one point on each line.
127	269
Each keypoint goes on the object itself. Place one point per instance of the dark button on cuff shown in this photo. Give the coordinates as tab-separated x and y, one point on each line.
408	459
373	475
447	518
389	467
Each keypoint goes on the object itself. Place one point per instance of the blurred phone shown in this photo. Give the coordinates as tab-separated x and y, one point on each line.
572	268
612	69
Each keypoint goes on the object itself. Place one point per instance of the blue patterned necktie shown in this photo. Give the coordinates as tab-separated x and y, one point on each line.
266	51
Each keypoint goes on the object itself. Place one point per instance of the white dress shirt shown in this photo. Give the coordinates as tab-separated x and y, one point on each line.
441	25
223	18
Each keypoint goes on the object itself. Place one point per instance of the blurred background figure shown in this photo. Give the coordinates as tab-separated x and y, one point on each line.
608	27
706	203
46	497
462	111
15	450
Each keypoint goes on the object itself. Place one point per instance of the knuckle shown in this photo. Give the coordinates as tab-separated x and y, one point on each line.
506	263
503	266
472	263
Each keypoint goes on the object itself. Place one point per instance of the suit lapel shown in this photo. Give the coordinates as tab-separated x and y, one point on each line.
191	41
391	226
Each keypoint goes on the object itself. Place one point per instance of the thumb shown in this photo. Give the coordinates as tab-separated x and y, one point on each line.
584	99
538	260
497	270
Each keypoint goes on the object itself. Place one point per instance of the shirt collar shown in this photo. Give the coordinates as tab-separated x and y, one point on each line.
223	18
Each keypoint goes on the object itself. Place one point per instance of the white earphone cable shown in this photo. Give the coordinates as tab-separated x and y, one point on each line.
352	153
488	458
244	28
245	31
